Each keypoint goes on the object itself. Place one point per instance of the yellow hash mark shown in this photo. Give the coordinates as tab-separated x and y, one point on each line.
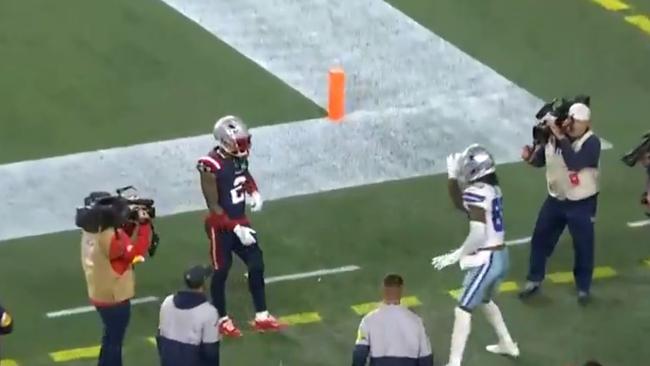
411	301
75	354
567	277
152	340
363	309
604	272
561	277
640	21
8	363
455	293
508	286
301	318
613	5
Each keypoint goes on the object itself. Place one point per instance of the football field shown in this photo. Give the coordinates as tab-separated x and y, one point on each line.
102	94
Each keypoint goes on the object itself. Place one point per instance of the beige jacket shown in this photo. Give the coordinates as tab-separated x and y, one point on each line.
564	184
105	285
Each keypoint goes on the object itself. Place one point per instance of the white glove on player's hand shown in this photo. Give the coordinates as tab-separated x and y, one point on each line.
245	234
446	260
452	165
255	201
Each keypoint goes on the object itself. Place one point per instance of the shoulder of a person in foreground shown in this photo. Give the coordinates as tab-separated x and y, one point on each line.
168	301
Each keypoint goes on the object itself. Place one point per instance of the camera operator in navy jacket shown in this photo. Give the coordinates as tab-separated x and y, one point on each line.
571	156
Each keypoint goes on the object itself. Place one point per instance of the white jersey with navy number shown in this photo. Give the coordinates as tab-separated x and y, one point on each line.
489	198
486	268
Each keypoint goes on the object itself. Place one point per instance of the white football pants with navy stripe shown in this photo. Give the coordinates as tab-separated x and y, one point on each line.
482	282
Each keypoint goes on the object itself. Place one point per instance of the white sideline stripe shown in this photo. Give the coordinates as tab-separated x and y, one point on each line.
148	299
88	309
518	241
638	223
318	273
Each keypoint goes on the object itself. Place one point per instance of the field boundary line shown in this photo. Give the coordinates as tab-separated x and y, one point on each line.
639	223
272	279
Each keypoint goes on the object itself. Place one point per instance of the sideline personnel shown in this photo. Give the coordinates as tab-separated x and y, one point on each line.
107	258
188	334
641	154
6	324
392	335
571	157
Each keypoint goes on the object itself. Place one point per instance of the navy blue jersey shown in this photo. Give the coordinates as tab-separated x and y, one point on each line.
232	175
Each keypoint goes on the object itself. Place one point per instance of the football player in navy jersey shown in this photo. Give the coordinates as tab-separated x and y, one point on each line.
227	185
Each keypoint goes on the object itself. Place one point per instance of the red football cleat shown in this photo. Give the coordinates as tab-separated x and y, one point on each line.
268	323
228	329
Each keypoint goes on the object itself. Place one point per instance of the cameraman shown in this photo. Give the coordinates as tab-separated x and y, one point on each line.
107	258
641	154
571	156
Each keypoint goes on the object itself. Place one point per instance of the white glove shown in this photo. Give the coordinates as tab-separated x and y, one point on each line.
245	234
255	201
452	165
446	260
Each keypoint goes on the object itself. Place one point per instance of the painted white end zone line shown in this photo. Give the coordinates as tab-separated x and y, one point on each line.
148	299
638	223
88	309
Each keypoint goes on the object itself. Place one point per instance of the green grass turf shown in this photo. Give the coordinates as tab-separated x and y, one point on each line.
390	227
553	48
95	74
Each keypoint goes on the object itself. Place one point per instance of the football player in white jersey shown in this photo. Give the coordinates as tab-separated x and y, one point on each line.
474	189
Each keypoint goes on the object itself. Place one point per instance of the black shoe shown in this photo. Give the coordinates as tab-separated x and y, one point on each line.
530	289
583	298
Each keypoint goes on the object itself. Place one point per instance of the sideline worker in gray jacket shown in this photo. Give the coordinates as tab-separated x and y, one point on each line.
188	334
392	335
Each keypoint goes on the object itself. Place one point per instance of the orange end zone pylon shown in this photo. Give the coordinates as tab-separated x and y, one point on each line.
336	103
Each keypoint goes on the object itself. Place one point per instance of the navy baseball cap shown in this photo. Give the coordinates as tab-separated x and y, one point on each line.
195	276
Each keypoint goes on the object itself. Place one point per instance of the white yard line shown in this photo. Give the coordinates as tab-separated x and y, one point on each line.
273	279
638	223
519	241
318	273
88	309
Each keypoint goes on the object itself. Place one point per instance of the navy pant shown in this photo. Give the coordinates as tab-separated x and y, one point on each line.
222	245
553	217
116	320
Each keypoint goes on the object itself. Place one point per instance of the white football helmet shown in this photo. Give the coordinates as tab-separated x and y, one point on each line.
232	136
475	162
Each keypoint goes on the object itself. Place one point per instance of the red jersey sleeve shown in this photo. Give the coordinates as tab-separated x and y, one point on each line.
124	249
208	164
